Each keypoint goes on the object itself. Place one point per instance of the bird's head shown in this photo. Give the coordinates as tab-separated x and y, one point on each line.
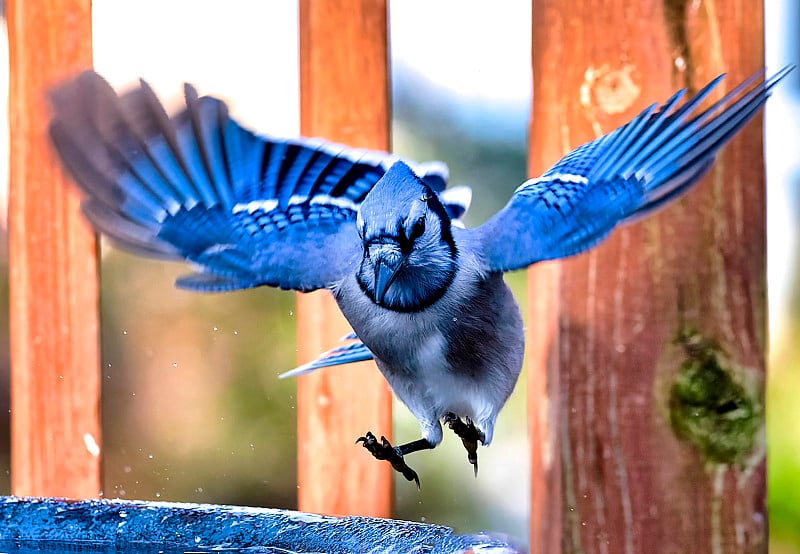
409	253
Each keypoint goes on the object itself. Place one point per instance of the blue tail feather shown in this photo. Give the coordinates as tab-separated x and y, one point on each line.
349	353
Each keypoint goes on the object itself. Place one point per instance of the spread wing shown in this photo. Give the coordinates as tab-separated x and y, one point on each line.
245	209
618	177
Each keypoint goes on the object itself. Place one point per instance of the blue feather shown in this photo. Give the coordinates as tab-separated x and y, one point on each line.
349	353
618	177
198	186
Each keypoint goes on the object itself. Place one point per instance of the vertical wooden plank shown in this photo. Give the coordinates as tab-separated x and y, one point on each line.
55	375
344	97
543	408
664	304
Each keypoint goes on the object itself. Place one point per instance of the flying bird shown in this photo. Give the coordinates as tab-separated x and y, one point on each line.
424	295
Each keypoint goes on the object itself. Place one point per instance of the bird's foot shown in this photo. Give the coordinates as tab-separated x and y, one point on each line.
469	435
384	450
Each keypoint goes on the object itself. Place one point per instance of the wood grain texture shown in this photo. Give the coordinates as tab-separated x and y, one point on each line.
543	408
628	483
344	97
55	373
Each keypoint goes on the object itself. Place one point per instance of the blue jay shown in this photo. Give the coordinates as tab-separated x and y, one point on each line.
424	295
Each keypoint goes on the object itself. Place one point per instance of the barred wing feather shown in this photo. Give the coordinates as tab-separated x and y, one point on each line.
245	209
618	177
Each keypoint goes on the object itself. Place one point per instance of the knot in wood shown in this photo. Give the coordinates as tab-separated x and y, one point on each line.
711	407
612	91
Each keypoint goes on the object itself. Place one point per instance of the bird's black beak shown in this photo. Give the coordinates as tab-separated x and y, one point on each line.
385	274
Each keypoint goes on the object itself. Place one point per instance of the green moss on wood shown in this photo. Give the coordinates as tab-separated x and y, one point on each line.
709	407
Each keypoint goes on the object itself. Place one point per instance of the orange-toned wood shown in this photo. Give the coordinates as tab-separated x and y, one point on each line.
344	97
543	409
55	373
628	483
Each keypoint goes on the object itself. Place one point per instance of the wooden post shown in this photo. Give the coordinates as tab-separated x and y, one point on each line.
658	369
543	408
55	375
344	97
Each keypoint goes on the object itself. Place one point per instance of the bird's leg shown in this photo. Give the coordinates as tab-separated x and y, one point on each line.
384	450
469	435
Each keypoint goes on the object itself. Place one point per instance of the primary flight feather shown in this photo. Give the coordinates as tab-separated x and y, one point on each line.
424	295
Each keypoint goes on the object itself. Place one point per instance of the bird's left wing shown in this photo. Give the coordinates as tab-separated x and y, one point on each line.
617	178
245	209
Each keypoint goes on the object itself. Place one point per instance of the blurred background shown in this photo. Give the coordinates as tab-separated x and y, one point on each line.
192	408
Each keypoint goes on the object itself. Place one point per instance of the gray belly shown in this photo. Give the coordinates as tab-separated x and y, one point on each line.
461	355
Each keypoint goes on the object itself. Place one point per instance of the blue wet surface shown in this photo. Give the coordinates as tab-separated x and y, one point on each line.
49	525
75	547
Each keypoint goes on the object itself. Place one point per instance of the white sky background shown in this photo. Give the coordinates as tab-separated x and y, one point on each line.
244	51
479	49
782	155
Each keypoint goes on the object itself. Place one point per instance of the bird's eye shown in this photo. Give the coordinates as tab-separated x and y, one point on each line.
418	228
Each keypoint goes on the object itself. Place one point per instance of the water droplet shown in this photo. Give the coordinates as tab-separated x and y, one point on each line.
91	444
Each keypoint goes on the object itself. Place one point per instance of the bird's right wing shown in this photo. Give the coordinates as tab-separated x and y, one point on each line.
617	178
245	209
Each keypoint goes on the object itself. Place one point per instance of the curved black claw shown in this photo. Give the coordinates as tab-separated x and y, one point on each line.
384	450
469	435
